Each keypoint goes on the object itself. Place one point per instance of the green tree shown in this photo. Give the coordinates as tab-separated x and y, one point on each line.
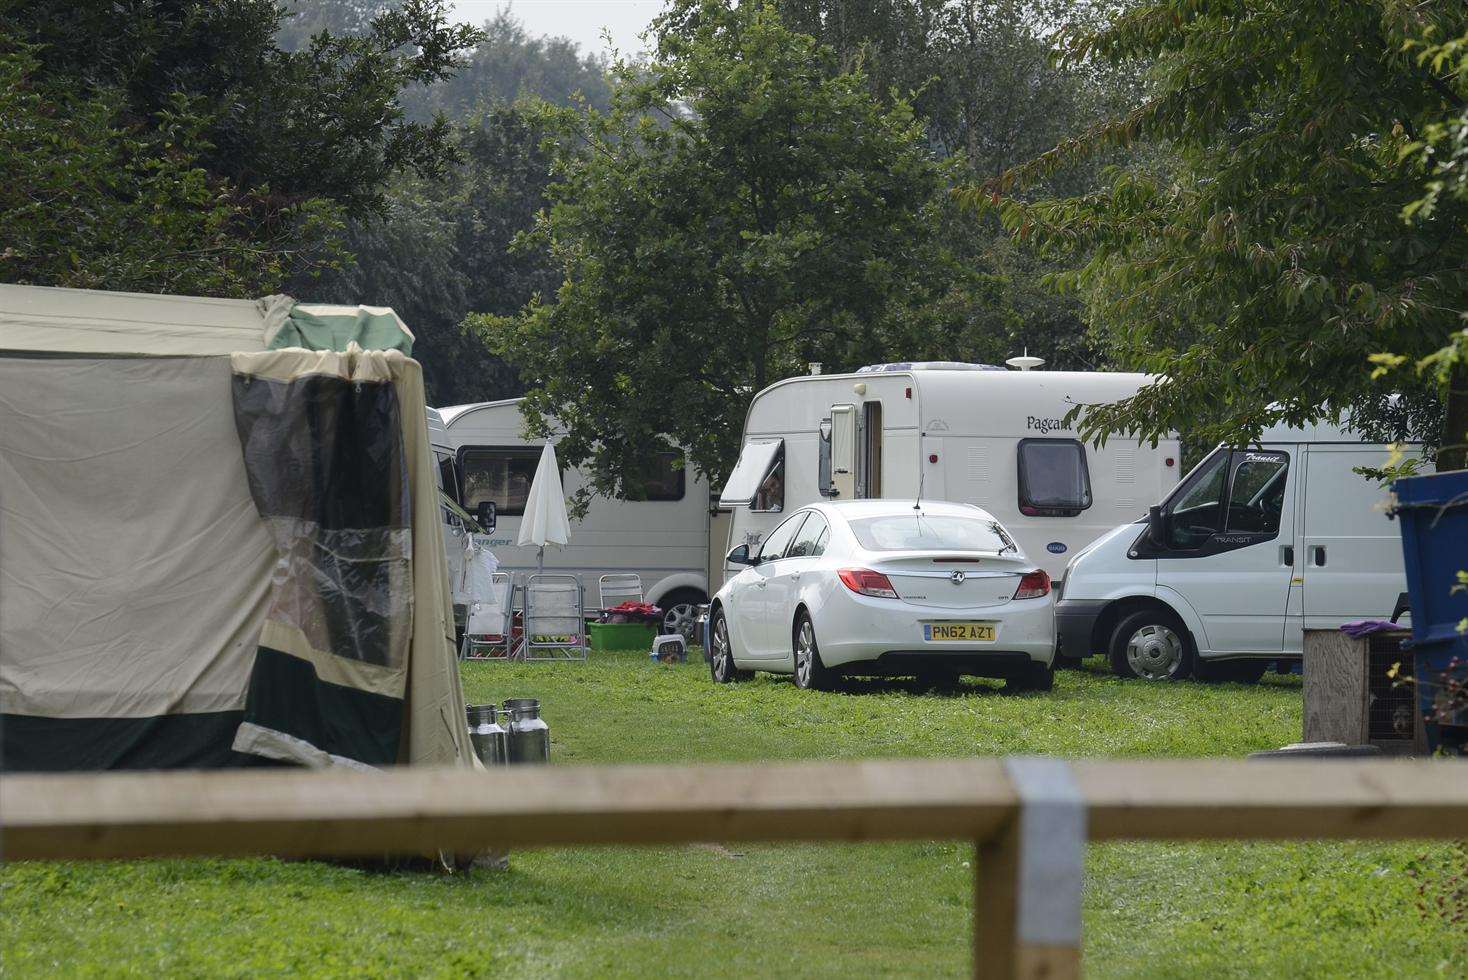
1269	260
273	134
741	208
93	199
441	249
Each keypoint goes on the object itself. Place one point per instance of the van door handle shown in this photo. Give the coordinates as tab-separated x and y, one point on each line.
1319	556
1287	555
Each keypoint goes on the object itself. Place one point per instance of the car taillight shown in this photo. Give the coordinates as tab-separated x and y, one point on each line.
864	581
1033	585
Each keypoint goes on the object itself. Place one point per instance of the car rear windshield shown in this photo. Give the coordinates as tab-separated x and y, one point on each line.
926	532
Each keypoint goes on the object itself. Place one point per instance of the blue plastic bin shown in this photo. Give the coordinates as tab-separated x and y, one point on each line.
1433	511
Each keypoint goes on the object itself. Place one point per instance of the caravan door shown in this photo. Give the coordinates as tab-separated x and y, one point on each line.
843	452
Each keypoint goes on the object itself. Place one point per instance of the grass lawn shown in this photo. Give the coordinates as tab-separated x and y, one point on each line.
1158	910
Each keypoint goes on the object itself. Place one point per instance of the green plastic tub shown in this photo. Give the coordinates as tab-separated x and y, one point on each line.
622	636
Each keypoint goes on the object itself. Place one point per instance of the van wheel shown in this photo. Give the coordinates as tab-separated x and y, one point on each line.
810	673
721	666
1154	645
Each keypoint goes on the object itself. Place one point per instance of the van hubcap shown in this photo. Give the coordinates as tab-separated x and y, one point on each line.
1154	652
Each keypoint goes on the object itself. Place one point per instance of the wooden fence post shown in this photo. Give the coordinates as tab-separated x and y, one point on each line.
1027	886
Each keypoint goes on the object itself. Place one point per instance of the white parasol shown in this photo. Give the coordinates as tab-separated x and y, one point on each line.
544	521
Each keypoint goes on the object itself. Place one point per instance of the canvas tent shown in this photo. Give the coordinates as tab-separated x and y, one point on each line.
219	539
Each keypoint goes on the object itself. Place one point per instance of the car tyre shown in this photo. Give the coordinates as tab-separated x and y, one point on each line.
1152	644
1035	677
810	673
721	663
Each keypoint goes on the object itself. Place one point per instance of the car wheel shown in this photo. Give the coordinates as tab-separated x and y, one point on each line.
1035	677
721	666
680	612
1154	645
810	673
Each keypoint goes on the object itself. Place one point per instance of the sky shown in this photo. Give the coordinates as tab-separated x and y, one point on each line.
580	20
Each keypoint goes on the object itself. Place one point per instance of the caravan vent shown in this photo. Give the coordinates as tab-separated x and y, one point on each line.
1125	466
978	465
926	366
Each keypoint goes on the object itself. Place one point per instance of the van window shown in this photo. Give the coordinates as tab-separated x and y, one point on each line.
1193	514
811	541
1256	491
1053	478
823	458
771	493
502	475
779	539
667	479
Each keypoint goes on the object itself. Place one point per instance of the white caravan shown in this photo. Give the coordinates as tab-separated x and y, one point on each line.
962	433
664	538
1253	547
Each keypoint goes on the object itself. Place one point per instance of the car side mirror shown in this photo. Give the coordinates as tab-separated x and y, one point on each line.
1156	527
741	556
487	514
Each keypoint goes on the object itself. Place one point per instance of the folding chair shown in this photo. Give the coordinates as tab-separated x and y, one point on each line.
489	623
555	622
613	590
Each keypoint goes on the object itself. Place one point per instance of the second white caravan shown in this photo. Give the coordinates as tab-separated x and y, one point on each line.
962	433
664	539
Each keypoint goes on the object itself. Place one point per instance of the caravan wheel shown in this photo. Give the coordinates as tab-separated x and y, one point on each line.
680	611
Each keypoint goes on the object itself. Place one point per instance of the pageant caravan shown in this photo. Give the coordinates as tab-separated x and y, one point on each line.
1256	545
958	432
664	539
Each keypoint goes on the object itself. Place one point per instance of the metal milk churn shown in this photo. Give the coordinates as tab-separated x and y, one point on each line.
487	735
529	734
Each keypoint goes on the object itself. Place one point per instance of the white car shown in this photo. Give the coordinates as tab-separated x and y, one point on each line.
885	587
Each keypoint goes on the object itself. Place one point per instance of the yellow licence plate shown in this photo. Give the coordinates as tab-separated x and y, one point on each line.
958	632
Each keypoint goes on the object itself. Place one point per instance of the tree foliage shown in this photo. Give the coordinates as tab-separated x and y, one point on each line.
1269	260
94	199
441	249
229	148
741	208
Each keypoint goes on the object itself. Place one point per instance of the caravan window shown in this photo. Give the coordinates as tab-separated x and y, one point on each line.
1053	478
771	493
667	479
502	475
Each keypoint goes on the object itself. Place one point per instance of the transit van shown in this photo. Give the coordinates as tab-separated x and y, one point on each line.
1254	546
965	433
664	538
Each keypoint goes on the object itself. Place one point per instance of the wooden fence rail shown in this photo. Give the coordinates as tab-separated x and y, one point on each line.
1029	817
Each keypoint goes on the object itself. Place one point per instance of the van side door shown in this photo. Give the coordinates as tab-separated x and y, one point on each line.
1352	561
1229	549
